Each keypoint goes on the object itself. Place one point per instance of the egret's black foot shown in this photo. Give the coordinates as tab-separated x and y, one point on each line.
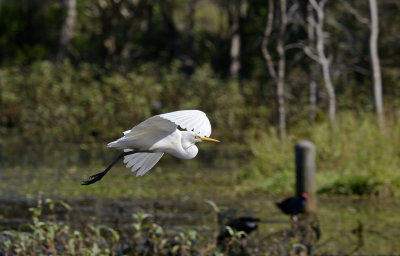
94	178
98	176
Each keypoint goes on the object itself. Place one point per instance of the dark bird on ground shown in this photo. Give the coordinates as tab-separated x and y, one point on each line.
293	205
245	224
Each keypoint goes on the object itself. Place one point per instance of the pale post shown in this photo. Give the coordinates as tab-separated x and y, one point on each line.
305	174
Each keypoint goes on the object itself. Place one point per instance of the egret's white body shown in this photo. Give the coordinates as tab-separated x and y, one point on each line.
145	144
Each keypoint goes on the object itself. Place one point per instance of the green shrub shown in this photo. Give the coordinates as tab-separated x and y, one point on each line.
356	158
56	102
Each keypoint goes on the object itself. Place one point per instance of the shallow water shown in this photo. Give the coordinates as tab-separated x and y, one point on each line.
175	193
365	226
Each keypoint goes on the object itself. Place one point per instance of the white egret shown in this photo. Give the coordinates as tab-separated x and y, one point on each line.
145	144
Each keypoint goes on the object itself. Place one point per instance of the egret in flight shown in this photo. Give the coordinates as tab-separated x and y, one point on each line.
146	143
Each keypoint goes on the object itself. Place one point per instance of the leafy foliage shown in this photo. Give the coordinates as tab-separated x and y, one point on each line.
55	102
355	159
131	59
46	235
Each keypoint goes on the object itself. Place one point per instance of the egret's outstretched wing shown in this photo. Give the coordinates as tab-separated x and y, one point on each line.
152	123
145	134
148	132
191	120
142	162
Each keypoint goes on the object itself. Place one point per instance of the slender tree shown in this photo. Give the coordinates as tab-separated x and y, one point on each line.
375	66
318	54
236	10
373	24
313	66
68	28
277	72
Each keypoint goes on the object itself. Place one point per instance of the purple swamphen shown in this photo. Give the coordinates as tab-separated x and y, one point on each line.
293	205
245	224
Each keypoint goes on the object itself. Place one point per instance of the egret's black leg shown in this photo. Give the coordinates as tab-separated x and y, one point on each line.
98	176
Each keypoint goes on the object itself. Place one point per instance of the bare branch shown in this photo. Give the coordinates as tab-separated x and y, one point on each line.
278	72
291	13
353	11
321	56
280	47
322	4
314	5
267	34
298	45
310	53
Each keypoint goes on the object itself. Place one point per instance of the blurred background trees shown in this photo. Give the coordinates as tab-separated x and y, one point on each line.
84	70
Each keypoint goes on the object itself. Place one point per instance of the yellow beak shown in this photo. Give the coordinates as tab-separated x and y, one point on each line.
209	139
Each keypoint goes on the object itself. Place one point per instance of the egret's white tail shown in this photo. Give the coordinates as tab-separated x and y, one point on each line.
119	144
113	144
141	162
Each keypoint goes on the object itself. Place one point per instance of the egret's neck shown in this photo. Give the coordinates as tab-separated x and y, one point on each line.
179	144
190	152
189	148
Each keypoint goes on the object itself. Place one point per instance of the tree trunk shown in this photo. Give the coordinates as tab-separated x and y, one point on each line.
68	29
313	100
375	66
312	67
281	72
278	73
331	92
323	59
237	9
235	53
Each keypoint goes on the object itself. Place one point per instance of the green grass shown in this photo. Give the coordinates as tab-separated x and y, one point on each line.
59	173
164	181
356	158
351	161
48	105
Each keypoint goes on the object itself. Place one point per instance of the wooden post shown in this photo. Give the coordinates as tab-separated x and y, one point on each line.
305	174
305	183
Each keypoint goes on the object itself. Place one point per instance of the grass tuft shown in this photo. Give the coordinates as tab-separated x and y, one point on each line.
355	158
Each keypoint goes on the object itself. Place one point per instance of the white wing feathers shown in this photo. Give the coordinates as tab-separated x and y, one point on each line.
154	129
141	163
145	134
191	120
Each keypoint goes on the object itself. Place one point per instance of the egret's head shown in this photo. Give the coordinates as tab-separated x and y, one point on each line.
191	138
200	139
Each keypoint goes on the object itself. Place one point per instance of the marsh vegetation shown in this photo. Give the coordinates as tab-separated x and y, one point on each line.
75	74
